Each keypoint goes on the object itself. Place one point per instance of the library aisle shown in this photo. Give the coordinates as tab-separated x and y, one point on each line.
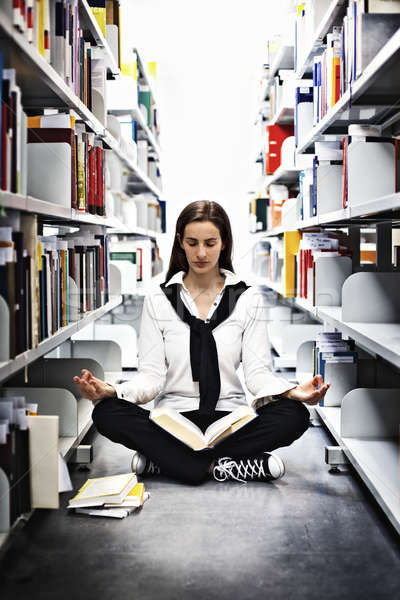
311	535
274	129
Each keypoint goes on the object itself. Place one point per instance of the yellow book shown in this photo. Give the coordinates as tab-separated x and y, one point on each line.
133	499
36	121
97	491
41	25
291	240
335	79
100	16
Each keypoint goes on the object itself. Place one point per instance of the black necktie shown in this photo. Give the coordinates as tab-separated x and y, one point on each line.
203	350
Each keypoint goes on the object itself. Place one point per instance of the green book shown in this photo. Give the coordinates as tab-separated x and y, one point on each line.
145	99
131	256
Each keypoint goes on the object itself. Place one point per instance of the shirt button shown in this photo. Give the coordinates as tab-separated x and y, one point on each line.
215	304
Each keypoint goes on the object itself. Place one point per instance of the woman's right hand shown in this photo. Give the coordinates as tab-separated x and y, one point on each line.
92	388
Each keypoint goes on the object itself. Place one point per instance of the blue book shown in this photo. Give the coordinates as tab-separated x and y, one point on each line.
301	97
314	192
323	356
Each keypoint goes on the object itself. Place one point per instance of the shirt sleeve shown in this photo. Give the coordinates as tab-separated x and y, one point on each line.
152	369
256	354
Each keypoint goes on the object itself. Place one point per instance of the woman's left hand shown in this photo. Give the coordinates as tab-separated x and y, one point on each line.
307	392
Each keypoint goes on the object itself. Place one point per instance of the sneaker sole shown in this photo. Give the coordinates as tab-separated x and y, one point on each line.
280	464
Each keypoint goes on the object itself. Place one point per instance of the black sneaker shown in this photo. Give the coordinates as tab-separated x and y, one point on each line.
143	466
265	467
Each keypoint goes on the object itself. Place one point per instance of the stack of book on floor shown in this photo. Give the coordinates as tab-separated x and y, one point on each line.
113	496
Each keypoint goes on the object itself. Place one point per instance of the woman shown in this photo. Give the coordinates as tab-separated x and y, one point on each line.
195	330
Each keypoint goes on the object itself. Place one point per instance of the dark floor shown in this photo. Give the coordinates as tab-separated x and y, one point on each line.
312	535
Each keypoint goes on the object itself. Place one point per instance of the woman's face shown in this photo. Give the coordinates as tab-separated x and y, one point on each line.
202	245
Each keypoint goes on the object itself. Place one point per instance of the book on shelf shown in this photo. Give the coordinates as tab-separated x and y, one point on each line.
336	360
319	284
98	8
187	432
276	135
308	18
55	29
351	45
14	453
303	111
278	194
100	490
13	164
49	281
66	163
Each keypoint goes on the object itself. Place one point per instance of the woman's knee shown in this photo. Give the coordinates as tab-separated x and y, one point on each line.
301	417
103	416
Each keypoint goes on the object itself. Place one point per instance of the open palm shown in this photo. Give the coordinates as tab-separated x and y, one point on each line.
310	392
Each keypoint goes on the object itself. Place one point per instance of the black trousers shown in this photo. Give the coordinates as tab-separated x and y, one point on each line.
279	424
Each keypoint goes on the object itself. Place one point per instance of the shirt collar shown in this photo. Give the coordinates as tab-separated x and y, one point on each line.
230	278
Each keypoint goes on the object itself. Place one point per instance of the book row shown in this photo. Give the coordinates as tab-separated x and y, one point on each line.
314	265
55	29
334	178
14	455
350	47
48	282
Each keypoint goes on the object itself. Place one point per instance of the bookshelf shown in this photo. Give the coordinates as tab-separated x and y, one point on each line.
331	17
43	88
284	59
89	22
379	80
372	450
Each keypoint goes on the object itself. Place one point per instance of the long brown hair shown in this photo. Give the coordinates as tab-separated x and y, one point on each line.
201	210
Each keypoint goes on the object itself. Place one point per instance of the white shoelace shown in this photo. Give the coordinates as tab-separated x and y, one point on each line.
251	468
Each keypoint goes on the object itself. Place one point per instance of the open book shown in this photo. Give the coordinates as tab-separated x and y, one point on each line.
191	435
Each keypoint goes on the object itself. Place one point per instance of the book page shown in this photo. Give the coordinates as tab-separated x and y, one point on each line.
234	427
226	422
180	427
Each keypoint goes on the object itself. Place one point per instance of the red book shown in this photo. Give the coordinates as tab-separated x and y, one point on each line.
276	135
4	145
99	180
337	83
91	180
344	172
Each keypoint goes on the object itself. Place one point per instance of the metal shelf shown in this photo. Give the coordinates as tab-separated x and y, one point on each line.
284	59
137	115
143	179
144	75
62	213
88	20
25	358
283	116
367	456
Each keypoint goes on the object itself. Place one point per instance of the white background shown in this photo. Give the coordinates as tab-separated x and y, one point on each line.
209	58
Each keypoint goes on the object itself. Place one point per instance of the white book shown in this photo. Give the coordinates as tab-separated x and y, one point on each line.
183	429
97	491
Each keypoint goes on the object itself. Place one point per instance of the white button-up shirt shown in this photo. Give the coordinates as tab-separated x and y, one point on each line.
164	371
